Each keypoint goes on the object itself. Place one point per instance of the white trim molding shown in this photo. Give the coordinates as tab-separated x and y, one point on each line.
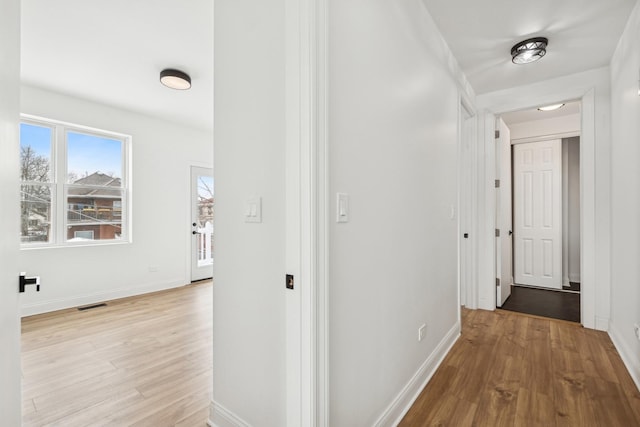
98	297
602	324
307	204
394	413
545	137
629	358
224	417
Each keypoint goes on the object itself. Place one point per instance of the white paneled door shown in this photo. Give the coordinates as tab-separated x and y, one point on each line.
538	213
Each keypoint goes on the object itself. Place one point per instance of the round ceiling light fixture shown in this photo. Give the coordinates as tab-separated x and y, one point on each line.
551	107
529	50
175	79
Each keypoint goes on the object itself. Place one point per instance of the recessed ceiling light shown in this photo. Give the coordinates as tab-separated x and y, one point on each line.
551	107
529	50
175	79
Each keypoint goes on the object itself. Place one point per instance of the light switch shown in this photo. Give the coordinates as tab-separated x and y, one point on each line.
342	207
253	210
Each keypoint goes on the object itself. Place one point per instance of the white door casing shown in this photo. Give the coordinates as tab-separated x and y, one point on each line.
538	213
201	223
464	208
503	214
10	393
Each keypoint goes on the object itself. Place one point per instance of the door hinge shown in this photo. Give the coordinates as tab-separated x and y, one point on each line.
497	134
497	183
497	282
497	232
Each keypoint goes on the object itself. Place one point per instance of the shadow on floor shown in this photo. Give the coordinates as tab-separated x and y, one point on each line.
546	303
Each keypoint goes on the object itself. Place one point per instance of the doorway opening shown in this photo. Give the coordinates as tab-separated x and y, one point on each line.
538	212
201	223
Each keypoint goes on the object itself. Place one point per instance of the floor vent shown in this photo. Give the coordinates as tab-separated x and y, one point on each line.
89	307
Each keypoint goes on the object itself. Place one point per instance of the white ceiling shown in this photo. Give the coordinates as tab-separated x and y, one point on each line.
582	35
113	51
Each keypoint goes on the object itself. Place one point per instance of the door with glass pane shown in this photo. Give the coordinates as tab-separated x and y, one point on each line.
201	223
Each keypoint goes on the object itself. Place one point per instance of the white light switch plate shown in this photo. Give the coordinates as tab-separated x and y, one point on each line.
342	207
253	210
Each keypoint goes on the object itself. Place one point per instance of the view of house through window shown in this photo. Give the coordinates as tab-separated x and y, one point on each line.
205	220
74	186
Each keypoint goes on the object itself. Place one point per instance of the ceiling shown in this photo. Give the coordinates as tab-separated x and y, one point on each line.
533	114
582	34
113	51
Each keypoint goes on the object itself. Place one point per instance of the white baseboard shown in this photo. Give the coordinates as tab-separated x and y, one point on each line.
219	416
403	401
96	297
485	304
629	358
602	324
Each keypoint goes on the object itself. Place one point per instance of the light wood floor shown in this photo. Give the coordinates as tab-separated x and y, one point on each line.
140	361
509	369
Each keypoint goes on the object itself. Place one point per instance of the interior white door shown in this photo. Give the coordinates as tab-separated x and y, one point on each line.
10	394
503	214
201	223
538	213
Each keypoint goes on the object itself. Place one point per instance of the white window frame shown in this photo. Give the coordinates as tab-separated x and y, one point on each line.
59	184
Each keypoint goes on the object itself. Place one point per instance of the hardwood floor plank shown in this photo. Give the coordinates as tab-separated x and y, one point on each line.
144	360
534	409
509	369
196	419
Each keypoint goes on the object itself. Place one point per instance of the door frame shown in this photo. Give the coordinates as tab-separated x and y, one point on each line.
307	204
583	86
10	363
506	183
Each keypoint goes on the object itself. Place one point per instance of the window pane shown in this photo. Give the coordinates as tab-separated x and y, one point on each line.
94	213
92	160
205	220
35	210
35	153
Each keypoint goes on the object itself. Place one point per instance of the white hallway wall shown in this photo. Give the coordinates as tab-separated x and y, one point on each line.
625	197
249	326
393	106
162	153
393	120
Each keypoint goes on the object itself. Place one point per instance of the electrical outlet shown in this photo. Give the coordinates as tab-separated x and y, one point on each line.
636	329
153	269
422	331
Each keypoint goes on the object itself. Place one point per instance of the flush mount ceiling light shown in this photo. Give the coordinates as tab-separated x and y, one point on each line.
551	107
175	79
529	50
